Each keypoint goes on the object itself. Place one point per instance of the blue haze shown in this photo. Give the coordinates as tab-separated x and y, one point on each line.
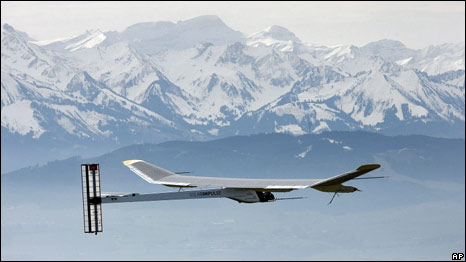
415	214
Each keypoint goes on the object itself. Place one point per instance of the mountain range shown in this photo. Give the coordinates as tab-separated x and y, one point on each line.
199	79
420	158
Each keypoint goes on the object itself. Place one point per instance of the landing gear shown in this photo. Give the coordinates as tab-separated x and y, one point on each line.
336	194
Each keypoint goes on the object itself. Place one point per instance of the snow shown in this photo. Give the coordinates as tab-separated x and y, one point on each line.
319	110
273	35
321	128
331	141
404	61
195	74
339	53
303	154
18	117
90	119
439	59
213	131
155	37
89	39
214	85
347	148
47	42
292	129
88	42
66	124
195	131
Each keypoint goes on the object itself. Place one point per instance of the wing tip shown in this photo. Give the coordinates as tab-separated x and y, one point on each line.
129	162
368	167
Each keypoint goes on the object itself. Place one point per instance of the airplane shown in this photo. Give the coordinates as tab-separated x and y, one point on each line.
242	190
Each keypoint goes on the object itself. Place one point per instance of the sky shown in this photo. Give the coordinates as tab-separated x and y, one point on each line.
416	24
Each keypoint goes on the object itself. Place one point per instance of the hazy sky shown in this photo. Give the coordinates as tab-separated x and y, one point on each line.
416	24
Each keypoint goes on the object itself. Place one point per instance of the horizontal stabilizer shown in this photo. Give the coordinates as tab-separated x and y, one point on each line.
92	201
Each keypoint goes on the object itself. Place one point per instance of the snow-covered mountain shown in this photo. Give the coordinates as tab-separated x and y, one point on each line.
150	38
433	60
89	39
275	36
49	99
199	79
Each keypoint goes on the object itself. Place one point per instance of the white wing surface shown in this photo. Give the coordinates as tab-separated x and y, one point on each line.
156	175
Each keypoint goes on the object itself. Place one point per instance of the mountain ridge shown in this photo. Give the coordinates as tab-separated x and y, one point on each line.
112	91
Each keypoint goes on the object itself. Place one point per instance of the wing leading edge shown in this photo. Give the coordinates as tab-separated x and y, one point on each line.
156	175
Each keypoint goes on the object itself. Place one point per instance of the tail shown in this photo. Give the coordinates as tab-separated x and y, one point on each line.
92	201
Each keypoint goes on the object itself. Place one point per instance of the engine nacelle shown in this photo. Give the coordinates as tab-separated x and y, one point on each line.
265	196
336	189
251	196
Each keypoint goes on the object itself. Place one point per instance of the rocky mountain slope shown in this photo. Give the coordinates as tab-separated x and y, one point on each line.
199	79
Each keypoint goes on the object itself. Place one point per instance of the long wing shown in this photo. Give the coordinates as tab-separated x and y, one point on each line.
338	180
156	175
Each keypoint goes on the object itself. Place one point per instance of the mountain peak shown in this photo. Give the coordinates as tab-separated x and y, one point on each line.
8	28
277	33
88	39
84	85
386	43
276	36
93	31
280	33
151	38
387	49
203	18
